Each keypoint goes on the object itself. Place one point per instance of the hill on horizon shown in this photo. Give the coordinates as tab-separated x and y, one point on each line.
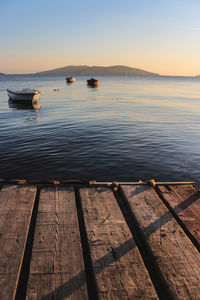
97	70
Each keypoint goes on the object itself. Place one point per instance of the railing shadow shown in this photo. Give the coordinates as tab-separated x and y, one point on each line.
79	280
115	254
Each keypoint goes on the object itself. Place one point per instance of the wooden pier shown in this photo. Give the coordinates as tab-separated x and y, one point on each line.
62	240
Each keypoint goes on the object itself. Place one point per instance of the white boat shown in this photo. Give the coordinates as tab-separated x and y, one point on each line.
25	95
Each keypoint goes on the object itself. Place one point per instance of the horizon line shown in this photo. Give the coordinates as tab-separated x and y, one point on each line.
103	66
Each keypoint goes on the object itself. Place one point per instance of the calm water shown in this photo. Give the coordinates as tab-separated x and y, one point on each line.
129	128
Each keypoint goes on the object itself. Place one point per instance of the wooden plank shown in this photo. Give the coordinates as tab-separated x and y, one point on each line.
16	206
57	267
185	202
176	257
118	266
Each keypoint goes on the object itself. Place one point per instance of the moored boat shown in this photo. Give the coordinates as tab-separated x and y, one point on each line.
93	82
25	95
70	79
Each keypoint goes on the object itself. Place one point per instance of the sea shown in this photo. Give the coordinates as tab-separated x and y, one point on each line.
129	128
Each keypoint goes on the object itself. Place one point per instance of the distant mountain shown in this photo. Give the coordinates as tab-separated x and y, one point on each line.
2	74
96	70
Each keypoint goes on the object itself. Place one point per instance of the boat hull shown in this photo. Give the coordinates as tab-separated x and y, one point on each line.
93	82
23	98
70	79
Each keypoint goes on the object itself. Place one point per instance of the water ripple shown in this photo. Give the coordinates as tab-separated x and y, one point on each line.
129	128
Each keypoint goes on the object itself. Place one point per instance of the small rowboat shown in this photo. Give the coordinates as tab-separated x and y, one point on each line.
70	79
93	82
25	95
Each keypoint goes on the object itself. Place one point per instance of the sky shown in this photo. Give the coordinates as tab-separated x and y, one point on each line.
161	36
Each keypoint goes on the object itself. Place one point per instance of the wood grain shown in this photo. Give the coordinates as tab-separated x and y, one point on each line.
176	257
185	202
16	205
57	267
118	266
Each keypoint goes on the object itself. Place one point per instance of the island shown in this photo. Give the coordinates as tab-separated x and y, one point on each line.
98	70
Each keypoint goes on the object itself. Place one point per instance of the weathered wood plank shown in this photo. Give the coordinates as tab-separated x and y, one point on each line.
118	266
16	206
174	254
57	267
185	202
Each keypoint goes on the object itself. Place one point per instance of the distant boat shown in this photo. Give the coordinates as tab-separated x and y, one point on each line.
70	79
25	95
93	82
